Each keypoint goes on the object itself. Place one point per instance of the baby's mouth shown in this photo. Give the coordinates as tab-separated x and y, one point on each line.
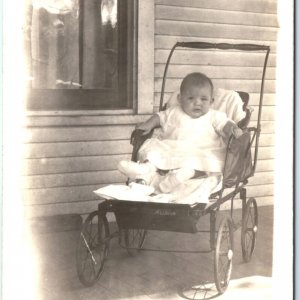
197	110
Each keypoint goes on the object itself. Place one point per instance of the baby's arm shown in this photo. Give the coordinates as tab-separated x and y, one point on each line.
150	124
231	128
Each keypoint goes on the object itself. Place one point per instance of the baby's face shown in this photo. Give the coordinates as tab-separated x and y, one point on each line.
196	101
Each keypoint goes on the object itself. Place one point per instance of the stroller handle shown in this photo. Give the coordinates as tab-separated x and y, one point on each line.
223	46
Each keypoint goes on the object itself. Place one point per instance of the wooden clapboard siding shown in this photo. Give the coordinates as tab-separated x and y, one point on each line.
72	179
76	149
252	86
268	100
215	72
259	6
85	193
192	14
71	164
91	163
104	177
213	58
85	207
81	120
76	133
196	29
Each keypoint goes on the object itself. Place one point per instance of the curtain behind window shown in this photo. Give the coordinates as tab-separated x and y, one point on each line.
73	45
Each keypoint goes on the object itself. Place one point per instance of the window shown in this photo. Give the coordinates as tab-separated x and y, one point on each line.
81	54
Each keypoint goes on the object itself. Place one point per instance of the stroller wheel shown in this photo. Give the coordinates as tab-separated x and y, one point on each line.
133	238
92	248
223	255
249	229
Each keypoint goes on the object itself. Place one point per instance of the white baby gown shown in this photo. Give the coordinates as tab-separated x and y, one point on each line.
183	141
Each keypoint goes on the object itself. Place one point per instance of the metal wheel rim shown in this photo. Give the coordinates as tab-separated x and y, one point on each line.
249	229
223	255
92	249
134	238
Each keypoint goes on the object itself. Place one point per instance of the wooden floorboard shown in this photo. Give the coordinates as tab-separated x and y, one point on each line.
148	275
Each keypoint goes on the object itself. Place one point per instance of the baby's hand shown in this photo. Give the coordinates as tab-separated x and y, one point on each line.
237	132
150	124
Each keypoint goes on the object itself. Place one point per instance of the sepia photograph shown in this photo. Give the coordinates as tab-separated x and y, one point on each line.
148	149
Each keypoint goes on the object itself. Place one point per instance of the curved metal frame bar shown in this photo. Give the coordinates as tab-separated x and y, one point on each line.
224	46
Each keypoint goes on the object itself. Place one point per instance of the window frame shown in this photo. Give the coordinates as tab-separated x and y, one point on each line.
96	99
143	68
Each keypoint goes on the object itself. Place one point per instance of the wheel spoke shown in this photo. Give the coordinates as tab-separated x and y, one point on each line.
249	229
91	249
223	255
134	239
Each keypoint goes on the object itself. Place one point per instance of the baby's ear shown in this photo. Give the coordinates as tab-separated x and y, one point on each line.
179	99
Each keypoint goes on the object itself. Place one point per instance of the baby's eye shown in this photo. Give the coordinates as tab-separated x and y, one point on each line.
191	98
204	99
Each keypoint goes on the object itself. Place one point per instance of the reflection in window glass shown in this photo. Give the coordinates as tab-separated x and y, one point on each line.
74	44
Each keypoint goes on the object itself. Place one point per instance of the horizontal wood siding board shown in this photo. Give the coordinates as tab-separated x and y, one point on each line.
105	177
265	165
198	29
215	58
268	100
268	113
93	120
260	178
86	207
220	72
71	149
85	193
72	179
267	152
60	194
251	86
163	42
94	148
92	163
261	201
71	164
179	13
72	134
257	6
33	211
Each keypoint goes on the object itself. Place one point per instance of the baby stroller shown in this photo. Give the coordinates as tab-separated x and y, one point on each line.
135	218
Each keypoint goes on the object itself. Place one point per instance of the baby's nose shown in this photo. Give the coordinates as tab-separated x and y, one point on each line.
198	101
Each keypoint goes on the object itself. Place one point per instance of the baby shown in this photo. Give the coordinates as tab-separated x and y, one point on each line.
191	140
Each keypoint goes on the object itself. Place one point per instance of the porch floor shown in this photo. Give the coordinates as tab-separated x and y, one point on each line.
156	275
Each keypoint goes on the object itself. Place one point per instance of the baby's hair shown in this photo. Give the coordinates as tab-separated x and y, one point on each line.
196	79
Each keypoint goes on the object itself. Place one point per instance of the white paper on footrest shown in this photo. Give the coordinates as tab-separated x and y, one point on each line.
134	192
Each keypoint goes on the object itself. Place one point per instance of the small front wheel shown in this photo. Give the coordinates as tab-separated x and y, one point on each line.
249	229
92	248
223	255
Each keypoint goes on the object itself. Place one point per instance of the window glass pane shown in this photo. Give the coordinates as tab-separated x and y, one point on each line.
55	44
80	54
100	44
74	45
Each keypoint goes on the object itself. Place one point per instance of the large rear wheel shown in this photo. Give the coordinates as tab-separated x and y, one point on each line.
92	248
